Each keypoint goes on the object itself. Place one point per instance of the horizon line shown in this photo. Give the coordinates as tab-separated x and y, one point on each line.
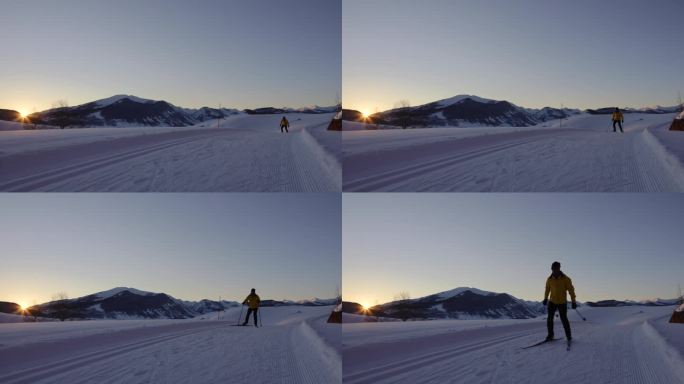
221	105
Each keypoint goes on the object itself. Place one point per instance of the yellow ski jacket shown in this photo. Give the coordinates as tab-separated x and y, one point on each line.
284	122
557	287
617	116
252	301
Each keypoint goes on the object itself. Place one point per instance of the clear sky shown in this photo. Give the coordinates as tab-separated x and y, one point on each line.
192	246
613	246
241	54
534	53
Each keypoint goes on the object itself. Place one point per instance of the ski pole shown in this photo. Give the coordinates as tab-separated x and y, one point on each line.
240	317
261	318
580	315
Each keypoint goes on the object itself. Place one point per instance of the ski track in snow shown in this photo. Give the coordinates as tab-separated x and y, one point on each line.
208	351
539	160
603	353
224	159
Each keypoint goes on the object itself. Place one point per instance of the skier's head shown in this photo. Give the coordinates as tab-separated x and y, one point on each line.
555	267
617	109
253	290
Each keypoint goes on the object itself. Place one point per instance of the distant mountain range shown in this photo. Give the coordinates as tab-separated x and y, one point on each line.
468	110
472	303
627	303
131	303
459	303
126	110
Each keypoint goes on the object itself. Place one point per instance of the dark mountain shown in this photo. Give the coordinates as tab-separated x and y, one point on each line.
466	110
127	303
119	303
460	303
649	110
207	306
265	111
315	302
9	115
125	110
352	115
7	307
629	303
308	110
353	308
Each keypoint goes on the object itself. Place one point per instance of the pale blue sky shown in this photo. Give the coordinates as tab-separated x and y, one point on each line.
534	53
191	246
242	54
621	246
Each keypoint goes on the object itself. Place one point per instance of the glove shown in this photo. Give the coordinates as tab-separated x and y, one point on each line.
574	305
545	302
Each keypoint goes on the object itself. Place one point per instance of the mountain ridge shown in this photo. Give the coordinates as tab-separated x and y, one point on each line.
471	110
128	110
473	303
129	303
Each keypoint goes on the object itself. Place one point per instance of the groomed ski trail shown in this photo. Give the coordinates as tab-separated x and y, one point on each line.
601	353
538	160
207	351
201	160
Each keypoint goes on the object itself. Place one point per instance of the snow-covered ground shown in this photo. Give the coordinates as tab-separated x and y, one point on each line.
614	345
247	153
295	345
582	156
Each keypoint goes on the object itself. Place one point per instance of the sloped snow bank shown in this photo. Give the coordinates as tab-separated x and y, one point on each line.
668	149
327	148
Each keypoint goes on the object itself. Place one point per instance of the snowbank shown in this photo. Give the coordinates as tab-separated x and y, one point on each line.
667	345
327	149
325	340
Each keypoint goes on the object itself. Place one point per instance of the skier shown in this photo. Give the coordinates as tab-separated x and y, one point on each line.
284	124
618	119
557	284
252	300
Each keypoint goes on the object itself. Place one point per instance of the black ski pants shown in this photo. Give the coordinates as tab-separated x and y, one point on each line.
619	123
283	127
563	313
250	311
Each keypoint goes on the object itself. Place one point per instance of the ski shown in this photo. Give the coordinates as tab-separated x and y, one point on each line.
568	346
539	343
